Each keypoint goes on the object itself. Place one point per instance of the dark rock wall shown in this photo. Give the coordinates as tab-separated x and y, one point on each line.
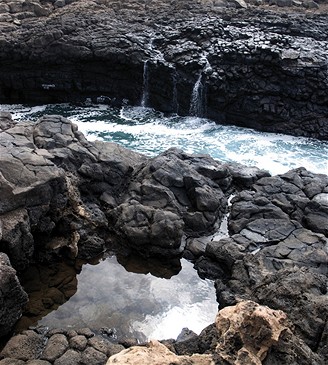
259	68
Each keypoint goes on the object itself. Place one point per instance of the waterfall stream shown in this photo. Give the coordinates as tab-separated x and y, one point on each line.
198	96
196	108
145	86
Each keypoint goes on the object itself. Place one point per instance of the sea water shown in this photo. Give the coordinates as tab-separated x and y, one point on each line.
150	132
143	305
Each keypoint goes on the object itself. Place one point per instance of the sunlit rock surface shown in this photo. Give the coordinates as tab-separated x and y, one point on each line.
154	353
253	327
246	333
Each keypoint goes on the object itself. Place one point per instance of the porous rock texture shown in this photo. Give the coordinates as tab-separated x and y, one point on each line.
246	333
155	353
257	63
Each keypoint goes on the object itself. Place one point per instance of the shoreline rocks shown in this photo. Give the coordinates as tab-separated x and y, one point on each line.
67	197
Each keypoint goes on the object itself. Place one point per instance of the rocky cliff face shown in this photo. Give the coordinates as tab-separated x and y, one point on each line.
252	67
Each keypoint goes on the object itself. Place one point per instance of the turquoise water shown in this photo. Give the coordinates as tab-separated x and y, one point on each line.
150	132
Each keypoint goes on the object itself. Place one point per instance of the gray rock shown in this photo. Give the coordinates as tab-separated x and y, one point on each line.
68	358
85	332
13	297
37	362
55	347
59	3
303	296
78	342
103	345
91	356
149	230
6	120
8	361
25	346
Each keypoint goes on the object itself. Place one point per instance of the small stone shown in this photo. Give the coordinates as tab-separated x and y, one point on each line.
85	332
71	334
103	345
55	347
70	357
91	356
78	342
38	362
9	361
59	3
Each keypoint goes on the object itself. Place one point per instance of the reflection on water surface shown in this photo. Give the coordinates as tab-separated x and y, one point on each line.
138	305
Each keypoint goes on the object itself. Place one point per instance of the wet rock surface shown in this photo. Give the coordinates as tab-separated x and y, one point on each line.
261	64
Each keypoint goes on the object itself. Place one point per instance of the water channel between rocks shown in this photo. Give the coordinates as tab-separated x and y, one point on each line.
149	132
128	299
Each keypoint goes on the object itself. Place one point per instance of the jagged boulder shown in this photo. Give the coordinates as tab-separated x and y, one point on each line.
248	331
149	231
179	183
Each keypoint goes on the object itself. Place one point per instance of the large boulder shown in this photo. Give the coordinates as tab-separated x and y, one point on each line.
149	231
247	333
13	297
177	182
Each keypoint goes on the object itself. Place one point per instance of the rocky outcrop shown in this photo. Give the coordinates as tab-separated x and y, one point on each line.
251	66
247	333
62	196
273	255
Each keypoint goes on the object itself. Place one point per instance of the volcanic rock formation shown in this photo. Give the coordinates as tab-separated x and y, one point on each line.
249	66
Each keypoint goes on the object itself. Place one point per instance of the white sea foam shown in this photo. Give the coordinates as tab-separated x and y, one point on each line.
150	132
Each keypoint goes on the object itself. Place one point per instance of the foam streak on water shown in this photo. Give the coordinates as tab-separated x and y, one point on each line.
149	132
